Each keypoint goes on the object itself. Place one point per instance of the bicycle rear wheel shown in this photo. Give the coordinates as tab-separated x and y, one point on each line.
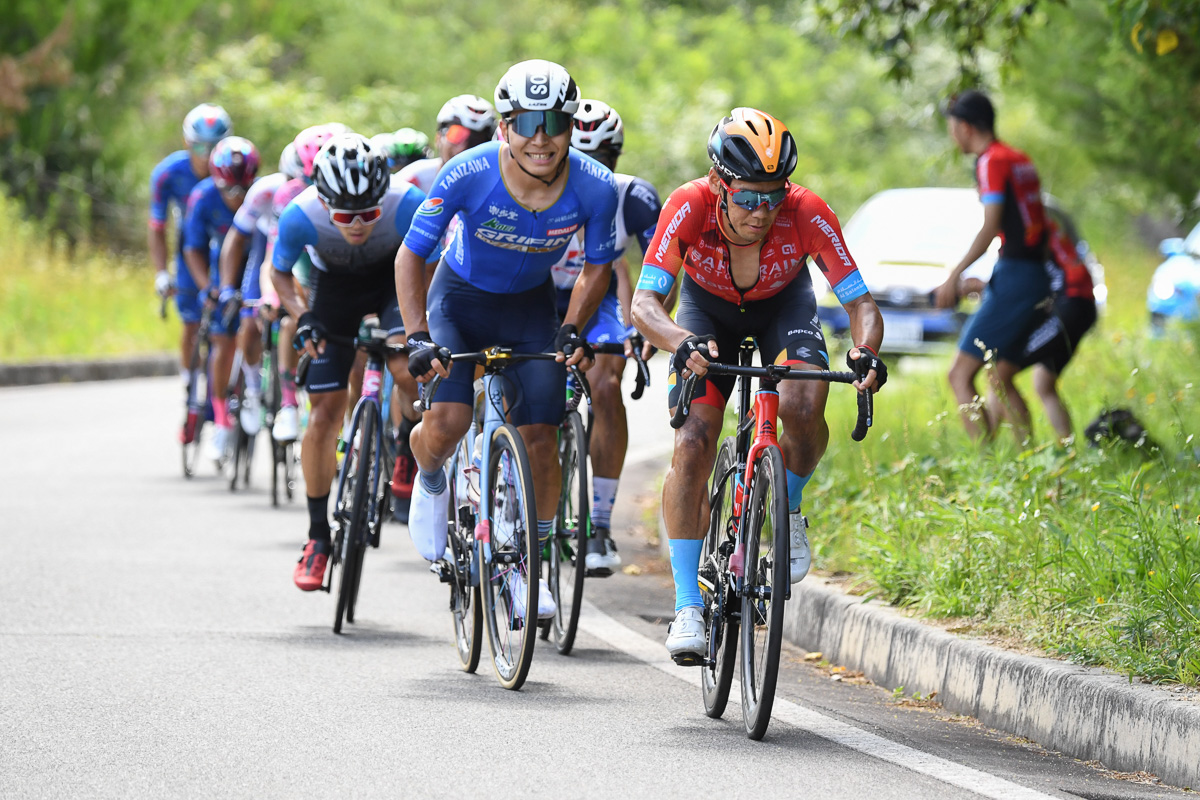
765	589
513	562
566	566
465	604
720	610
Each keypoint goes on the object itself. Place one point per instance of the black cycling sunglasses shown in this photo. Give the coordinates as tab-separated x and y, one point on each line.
526	123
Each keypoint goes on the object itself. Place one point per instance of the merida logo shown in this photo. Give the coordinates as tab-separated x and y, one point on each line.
827	229
672	226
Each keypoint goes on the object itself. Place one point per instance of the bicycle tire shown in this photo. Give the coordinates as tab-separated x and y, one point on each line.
366	499
716	678
566	567
352	487
510	638
766	585
466	606
277	457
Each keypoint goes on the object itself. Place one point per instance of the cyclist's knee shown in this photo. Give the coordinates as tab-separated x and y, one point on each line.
695	443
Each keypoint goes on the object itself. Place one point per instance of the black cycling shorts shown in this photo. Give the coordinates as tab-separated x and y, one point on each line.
786	326
1054	337
340	301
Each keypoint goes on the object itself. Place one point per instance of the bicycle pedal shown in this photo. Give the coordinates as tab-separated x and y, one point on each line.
599	572
689	659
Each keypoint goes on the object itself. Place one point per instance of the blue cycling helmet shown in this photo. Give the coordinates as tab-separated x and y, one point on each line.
206	124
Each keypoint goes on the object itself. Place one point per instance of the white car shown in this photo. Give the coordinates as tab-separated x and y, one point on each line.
905	242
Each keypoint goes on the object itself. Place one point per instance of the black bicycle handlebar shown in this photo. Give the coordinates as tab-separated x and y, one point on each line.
486	357
642	379
866	403
376	343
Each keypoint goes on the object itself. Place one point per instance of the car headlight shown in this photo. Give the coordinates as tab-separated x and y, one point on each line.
1164	288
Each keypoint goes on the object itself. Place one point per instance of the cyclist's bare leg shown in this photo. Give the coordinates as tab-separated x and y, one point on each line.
406	385
250	340
962	374
224	350
317	456
610	438
541	443
1011	401
805	434
685	487
438	433
1045	383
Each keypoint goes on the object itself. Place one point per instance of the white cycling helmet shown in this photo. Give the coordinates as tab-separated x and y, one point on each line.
290	163
469	110
597	125
206	124
536	85
350	173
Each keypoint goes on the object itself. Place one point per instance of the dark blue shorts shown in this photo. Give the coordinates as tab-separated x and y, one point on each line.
1008	312
340	301
607	324
467	319
190	304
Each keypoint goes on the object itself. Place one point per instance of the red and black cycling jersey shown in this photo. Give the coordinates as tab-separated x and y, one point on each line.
1077	281
1006	175
687	236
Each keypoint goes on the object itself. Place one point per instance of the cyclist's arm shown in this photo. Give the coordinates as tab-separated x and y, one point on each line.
157	241
294	232
196	243
157	234
411	289
233	257
663	258
196	260
291	299
624	288
589	290
993	213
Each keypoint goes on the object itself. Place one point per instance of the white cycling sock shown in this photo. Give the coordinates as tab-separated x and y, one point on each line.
252	373
604	494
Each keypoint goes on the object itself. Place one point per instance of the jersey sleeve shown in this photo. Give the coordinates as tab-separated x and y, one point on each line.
663	257
600	230
824	242
295	232
406	211
641	211
992	174
433	215
195	232
258	202
160	178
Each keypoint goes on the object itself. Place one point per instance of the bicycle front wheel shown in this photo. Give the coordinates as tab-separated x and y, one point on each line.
465	604
509	566
716	676
566	566
765	589
353	512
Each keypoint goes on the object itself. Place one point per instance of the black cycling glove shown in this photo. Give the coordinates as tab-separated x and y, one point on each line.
421	353
308	329
688	346
568	339
868	360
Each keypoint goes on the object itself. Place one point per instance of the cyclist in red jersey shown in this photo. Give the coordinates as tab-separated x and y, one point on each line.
1011	194
742	237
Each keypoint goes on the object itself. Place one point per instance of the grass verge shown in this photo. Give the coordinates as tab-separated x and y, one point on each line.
59	302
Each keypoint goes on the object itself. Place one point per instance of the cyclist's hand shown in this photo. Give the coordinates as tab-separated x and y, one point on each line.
164	283
572	348
868	366
689	356
946	295
423	359
209	295
637	342
310	335
228	304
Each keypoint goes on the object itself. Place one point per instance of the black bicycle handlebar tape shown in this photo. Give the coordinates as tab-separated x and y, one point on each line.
866	413
684	406
231	311
302	368
162	308
430	389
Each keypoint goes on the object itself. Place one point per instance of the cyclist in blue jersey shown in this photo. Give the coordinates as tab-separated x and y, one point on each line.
351	223
599	132
171	183
233	166
519	204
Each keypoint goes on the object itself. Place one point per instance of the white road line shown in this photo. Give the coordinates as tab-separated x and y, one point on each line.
604	627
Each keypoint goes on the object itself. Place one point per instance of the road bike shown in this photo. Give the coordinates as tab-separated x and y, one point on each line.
198	407
744	563
283	454
364	477
493	542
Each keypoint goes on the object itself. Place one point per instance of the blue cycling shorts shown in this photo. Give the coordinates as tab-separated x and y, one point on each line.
467	319
607	324
189	304
1008	311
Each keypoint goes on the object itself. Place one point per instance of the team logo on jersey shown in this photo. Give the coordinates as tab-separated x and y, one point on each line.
524	244
497	225
431	207
563	231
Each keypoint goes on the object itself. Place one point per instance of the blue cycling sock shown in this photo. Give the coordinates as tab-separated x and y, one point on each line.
796	484
545	528
685	566
434	482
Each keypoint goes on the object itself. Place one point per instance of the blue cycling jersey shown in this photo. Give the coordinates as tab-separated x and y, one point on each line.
500	245
171	181
207	220
305	224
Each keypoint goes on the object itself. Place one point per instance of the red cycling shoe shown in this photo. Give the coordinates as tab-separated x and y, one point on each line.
403	476
310	570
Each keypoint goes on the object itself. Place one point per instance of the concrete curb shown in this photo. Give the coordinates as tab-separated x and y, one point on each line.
148	366
1084	712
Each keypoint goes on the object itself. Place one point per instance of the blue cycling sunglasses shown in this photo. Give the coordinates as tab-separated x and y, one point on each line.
751	200
526	123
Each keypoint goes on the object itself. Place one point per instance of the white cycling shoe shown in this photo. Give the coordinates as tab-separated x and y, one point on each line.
801	555
214	449
428	524
287	425
685	636
547	608
250	414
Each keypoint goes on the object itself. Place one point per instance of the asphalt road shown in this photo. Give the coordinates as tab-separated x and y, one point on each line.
152	645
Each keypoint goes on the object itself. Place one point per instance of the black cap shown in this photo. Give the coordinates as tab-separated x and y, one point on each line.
973	107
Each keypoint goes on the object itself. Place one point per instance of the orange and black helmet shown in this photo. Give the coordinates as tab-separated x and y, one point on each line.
752	146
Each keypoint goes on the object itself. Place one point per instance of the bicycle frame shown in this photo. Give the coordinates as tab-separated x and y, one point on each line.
493	418
371	389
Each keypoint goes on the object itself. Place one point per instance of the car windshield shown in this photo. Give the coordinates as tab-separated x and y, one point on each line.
915	226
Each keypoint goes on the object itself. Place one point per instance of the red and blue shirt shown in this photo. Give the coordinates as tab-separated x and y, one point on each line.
1006	176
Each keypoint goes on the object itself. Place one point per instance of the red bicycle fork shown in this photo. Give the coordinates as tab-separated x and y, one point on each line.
766	413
